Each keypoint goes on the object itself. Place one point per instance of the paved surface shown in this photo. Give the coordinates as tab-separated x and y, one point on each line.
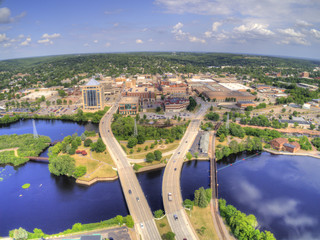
136	201
171	182
115	233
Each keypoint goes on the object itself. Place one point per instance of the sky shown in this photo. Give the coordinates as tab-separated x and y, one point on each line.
268	27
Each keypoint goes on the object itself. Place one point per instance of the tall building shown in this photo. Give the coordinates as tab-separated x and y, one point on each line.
92	96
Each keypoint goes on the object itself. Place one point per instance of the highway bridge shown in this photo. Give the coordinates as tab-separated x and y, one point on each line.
135	198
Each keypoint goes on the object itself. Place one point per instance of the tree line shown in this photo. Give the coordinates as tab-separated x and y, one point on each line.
242	226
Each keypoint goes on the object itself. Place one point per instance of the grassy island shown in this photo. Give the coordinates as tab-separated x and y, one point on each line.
15	148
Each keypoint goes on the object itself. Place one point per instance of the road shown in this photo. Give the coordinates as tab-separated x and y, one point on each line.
171	182
136	201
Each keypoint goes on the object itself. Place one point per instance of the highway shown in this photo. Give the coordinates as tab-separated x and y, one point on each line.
171	182
135	198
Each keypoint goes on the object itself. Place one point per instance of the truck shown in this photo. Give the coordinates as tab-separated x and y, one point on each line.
170	196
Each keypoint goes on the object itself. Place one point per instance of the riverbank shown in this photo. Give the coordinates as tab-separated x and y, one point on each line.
80	117
292	154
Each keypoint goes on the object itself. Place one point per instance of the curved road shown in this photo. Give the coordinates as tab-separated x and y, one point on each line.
171	182
135	198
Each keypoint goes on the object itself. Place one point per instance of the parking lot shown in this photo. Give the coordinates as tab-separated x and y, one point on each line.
58	110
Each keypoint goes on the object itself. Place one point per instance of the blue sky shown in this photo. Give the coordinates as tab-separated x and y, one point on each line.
269	27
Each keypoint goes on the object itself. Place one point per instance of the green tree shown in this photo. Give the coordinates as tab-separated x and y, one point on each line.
132	142
196	197
158	214
87	142
203	202
129	221
158	109
189	156
80	171
99	146
196	155
119	218
157	155
59	101
188	203
170	236
141	139
150	157
61	165
83	137
20	234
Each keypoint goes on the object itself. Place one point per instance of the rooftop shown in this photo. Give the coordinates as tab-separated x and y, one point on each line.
93	82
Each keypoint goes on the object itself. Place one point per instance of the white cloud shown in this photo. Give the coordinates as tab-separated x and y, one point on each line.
86	45
107	44
178	26
21	36
179	34
26	42
215	26
116	24
195	39
291	32
204	7
315	33
3	37
302	23
45	41
254	29
150	40
95	41
7	45
54	35
208	34
5	16
113	12
139	41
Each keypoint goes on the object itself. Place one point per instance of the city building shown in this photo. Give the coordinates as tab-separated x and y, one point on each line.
92	96
291	147
282	144
304	75
129	106
175	104
278	143
145	94
245	104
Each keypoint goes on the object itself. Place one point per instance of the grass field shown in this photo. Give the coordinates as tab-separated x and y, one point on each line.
142	154
201	218
100	165
163	226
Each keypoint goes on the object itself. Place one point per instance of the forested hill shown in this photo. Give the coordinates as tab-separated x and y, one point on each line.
53	69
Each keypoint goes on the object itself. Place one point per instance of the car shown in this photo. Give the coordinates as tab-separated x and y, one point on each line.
175	217
178	152
138	199
141	225
175	169
186	141
130	191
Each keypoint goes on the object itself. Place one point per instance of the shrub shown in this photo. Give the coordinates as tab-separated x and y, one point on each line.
87	142
80	171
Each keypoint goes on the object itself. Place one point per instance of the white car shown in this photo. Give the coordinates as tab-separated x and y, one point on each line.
141	225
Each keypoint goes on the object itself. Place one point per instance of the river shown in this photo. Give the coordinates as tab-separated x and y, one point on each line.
281	191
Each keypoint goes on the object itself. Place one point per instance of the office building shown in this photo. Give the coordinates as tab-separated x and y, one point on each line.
92	96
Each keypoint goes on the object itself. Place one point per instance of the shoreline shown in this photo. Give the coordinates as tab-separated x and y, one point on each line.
288	153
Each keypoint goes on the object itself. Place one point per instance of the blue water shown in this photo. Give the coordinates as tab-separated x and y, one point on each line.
283	192
52	203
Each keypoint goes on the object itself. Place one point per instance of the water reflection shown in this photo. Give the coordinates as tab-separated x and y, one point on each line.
279	190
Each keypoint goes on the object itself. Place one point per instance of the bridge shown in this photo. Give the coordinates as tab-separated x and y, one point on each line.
39	159
135	198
